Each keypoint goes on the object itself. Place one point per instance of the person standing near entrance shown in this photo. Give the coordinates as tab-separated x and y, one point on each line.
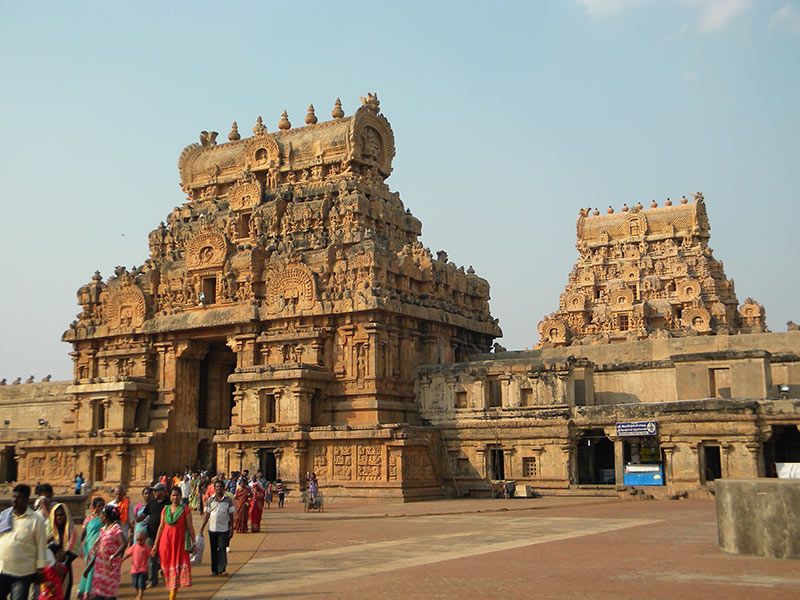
23	546
218	515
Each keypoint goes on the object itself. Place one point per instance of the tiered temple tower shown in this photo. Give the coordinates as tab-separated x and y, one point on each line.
276	324
645	273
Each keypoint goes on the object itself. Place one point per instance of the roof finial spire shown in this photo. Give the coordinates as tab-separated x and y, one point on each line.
337	112
284	123
234	135
311	117
260	128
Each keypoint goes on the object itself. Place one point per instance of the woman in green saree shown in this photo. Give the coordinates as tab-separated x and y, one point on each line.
91	529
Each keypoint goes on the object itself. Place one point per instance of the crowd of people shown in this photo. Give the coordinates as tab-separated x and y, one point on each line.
39	544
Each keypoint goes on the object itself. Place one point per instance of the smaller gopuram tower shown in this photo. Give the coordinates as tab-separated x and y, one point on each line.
276	325
645	273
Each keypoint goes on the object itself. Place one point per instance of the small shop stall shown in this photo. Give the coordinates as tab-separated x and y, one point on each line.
642	455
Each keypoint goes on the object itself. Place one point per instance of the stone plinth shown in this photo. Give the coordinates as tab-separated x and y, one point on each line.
759	516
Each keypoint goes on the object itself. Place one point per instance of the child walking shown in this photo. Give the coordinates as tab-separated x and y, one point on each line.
139	554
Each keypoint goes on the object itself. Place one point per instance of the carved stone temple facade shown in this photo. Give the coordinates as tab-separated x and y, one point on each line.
288	319
276	324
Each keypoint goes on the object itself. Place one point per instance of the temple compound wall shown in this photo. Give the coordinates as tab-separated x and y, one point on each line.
549	418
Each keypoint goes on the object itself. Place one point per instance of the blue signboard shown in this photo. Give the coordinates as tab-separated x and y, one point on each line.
637	428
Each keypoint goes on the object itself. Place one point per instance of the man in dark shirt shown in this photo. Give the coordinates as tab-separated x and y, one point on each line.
153	510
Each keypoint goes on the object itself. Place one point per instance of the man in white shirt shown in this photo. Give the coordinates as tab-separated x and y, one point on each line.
23	545
186	489
218	514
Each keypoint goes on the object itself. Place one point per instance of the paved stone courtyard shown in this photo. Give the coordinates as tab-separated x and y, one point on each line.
521	548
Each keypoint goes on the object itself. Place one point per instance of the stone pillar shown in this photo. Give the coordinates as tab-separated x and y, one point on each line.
668	449
619	461
570	461
481	456
756	464
505	388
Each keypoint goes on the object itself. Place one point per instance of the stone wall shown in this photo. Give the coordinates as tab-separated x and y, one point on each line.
759	517
23	405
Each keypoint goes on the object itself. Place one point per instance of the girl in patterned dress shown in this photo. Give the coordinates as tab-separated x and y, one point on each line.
107	556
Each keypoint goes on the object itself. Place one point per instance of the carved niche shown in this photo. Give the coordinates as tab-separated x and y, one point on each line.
125	307
621	299
688	290
576	302
262	153
293	287
555	331
206	249
636	225
372	139
244	195
697	318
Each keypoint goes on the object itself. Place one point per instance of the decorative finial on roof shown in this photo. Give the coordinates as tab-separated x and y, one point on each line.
97	276
260	128
639	206
684	200
596	212
610	210
337	112
371	102
284	123
234	135
653	204
208	139
624	208
668	202
311	117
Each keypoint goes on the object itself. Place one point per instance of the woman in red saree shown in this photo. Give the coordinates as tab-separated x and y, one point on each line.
256	506
172	544
242	503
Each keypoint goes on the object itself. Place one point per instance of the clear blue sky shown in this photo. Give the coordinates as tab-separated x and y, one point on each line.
508	118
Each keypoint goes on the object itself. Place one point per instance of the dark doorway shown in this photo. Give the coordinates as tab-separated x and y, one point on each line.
215	394
783	446
207	456
497	467
269	465
713	463
11	464
595	459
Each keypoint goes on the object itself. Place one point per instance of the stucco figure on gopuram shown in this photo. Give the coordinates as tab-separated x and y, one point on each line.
647	273
276	324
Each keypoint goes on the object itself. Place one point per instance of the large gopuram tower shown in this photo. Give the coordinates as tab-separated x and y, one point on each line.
647	273
276	324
